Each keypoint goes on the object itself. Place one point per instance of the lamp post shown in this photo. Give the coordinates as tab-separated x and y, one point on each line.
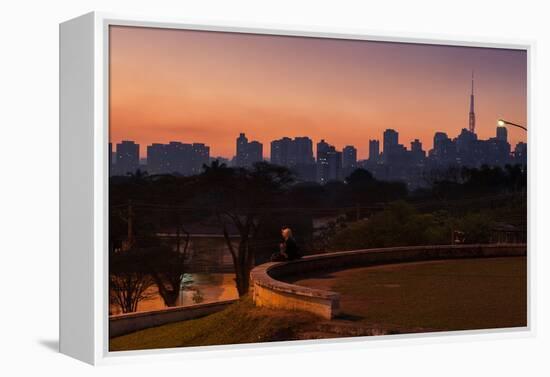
502	123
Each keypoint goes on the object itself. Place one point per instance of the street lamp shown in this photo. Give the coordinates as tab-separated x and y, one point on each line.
502	123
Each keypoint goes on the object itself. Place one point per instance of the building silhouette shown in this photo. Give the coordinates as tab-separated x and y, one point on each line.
127	157
349	157
374	151
466	147
322	161
280	151
177	158
200	157
418	155
502	133
444	150
297	155
334	166
255	153
394	162
301	151
391	141
156	159
242	150
467	150
329	163
520	153
349	160
248	153
497	149
394	154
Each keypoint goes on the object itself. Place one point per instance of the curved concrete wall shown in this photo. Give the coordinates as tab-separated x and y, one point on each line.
270	292
121	324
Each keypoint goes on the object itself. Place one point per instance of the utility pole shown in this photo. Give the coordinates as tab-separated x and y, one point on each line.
130	236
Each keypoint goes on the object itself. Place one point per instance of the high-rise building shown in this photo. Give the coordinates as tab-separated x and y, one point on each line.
156	158
200	157
241	156
248	153
295	154
465	142
301	151
334	159
349	161
417	153
322	161
374	150
254	153
127	157
177	158
393	152
329	163
280	151
322	148
391	140
349	157
520	153
440	138
494	151
416	146
502	133
444	150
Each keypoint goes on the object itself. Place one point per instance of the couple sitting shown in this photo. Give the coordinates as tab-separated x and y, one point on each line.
288	249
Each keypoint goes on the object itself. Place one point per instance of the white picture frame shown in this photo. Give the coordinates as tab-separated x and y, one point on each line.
84	190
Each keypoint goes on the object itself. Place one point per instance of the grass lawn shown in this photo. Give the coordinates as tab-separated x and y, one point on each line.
401	298
432	296
242	322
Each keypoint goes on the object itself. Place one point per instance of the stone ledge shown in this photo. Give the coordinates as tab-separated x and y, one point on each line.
270	292
261	277
121	324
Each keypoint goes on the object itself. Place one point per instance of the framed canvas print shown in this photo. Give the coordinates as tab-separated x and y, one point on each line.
228	188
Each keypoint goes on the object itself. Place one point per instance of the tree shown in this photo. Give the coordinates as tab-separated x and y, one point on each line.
365	189
443	182
360	178
516	177
142	206
129	279
241	200
167	268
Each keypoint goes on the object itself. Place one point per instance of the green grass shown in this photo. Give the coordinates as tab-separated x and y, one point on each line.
242	322
401	298
432	296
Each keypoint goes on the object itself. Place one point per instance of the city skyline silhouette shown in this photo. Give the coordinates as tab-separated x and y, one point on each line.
194	86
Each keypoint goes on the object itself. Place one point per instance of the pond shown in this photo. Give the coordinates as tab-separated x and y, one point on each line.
199	288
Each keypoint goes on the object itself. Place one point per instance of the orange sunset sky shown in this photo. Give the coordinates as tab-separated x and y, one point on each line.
194	86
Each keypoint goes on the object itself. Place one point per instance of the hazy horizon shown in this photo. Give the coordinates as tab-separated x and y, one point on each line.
199	86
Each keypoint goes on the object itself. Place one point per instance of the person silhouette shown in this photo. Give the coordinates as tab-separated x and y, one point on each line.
288	249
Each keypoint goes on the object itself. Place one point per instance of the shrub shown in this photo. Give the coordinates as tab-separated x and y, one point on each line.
398	225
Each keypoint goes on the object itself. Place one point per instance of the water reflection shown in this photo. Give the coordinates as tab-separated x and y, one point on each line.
199	287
